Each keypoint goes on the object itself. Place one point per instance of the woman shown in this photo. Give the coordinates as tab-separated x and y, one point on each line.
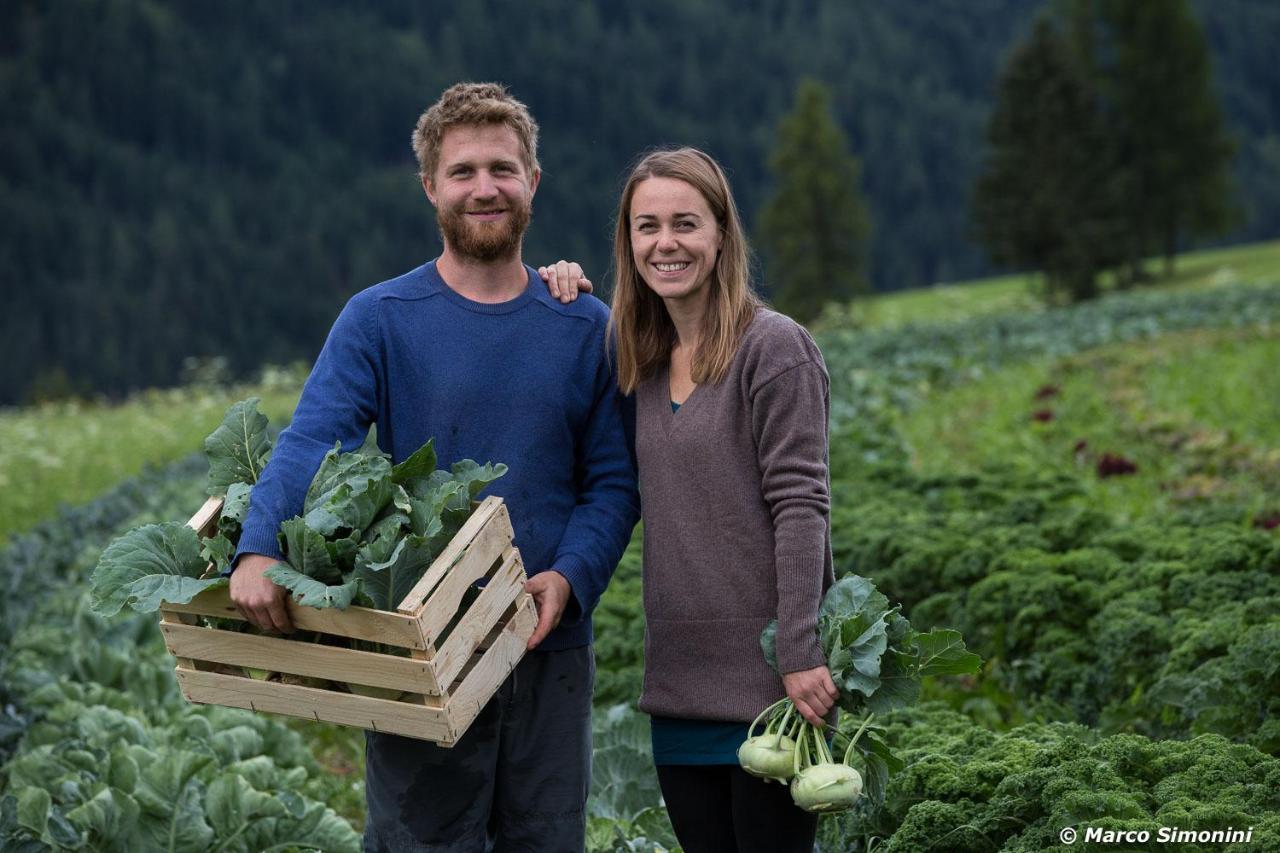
731	439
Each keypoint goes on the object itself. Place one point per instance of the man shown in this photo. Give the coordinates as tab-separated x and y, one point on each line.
472	350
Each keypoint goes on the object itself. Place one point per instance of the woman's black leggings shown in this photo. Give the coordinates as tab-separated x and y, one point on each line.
720	808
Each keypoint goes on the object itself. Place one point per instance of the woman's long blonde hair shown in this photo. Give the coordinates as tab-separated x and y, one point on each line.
641	328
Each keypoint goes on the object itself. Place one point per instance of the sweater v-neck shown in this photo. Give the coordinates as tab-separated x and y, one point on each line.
670	414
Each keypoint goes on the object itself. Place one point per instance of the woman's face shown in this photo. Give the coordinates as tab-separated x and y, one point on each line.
674	238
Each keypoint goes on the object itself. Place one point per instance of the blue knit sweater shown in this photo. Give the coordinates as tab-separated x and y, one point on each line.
525	382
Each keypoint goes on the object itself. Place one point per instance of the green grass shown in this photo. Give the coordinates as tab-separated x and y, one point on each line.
1255	262
70	452
1198	412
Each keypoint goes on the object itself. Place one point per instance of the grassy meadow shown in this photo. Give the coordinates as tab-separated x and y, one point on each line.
68	452
950	301
1197	413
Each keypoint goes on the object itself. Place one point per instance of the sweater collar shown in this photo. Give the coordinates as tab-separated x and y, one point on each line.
434	282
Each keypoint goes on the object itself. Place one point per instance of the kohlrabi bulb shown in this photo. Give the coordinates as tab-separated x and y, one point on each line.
768	756
826	788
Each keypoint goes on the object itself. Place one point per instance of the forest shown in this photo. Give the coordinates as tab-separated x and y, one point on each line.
215	180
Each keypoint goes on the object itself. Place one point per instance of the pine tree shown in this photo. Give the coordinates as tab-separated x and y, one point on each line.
1046	198
1154	76
813	229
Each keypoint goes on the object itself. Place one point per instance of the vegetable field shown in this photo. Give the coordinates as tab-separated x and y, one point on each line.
1090	495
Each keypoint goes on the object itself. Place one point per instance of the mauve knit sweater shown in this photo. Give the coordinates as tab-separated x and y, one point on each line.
735	497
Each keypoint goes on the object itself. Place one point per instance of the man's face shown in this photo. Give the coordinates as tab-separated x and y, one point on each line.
482	191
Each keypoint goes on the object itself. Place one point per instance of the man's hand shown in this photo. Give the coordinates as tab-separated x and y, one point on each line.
550	593
813	692
564	279
258	599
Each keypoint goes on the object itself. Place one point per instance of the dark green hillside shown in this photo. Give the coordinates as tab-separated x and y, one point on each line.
217	178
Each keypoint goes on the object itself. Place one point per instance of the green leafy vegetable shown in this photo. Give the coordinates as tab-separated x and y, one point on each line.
239	448
148	565
367	532
877	661
348	492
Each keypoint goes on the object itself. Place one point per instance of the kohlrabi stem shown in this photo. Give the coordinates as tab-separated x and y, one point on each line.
795	725
751	728
848	750
800	748
786	718
824	751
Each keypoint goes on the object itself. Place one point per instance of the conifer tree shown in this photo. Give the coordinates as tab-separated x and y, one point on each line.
1046	198
813	229
1155	80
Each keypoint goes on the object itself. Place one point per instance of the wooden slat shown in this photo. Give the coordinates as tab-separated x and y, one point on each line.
485	551
177	619
451	554
361	623
481	616
380	715
299	658
482	681
206	518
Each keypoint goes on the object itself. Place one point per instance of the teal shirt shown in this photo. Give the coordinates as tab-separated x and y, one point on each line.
680	741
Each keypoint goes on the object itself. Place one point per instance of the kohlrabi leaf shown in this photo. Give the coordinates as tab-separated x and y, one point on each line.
855	661
853	594
899	685
866	640
878	763
875	657
942	652
769	644
239	448
148	565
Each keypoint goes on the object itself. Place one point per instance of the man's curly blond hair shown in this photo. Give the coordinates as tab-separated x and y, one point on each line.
473	104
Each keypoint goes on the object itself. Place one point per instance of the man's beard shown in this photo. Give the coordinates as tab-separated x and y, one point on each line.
482	241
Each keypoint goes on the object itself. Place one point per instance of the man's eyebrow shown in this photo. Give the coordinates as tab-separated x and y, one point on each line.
471	164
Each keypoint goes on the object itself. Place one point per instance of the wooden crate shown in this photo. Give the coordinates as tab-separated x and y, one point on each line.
446	681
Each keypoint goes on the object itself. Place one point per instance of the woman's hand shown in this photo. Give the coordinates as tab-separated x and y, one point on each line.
813	692
565	279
